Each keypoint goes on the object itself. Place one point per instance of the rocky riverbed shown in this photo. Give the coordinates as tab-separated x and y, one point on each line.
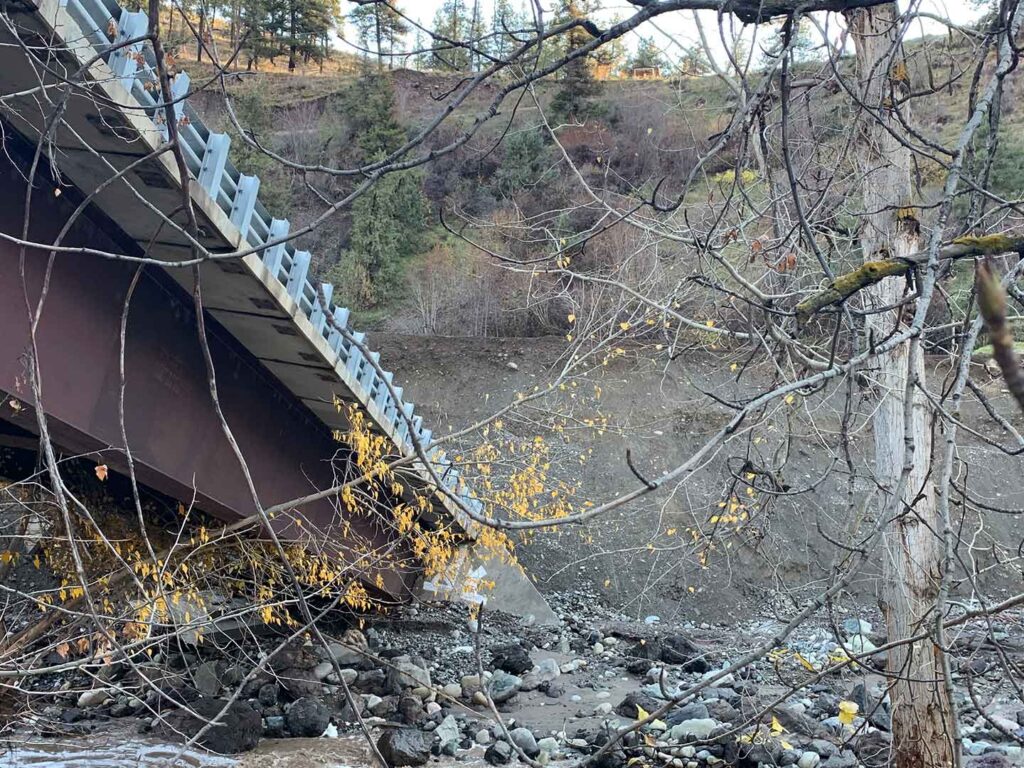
423	681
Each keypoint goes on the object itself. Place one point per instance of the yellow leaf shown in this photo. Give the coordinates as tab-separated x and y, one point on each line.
641	713
733	367
777	726
847	711
571	318
624	326
790	399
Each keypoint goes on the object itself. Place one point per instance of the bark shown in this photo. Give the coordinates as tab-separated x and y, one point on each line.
923	724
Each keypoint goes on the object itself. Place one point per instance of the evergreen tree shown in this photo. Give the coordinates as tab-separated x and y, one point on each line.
452	22
505	20
694	61
379	28
647	56
388	220
578	84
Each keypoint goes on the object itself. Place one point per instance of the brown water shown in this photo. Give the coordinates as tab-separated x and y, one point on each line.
113	750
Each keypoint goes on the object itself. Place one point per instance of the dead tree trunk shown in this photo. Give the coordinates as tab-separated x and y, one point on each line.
923	723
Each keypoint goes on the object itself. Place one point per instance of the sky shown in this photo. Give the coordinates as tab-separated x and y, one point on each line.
677	28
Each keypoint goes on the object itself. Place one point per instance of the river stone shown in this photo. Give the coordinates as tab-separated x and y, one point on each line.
268	694
308	717
404	673
448	736
700	728
808	760
511	658
525	740
93	698
695	710
548	745
404	746
630	706
499	753
503	686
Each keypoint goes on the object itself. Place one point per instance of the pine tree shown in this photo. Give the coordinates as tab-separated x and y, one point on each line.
578	84
505	19
388	220
647	56
453	22
379	28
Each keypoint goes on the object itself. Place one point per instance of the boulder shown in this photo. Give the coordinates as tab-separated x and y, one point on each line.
511	658
308	717
239	728
404	746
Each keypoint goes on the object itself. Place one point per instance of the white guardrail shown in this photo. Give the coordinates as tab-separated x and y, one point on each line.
106	24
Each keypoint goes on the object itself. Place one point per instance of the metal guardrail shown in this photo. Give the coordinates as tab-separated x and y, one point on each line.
105	24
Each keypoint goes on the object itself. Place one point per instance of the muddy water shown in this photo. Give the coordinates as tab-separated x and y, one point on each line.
122	751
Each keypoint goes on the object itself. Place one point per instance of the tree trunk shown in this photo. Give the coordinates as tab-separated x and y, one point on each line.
293	28
923	723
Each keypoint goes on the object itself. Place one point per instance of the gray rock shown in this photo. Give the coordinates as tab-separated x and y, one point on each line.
546	672
207	681
873	749
307	717
404	673
503	686
483	736
698	728
808	760
93	698
549	745
268	694
239	728
629	706
324	670
404	746
511	658
856	627
695	710
273	727
499	753
844	759
448	736
453	690
525	740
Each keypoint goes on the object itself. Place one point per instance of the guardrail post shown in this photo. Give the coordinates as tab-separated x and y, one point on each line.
245	202
297	275
318	317
124	62
369	374
335	338
272	256
179	89
214	160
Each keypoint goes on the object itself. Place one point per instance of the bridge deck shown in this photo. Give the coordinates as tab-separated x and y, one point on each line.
264	300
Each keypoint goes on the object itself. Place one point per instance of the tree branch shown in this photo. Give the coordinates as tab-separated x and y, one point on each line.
871	272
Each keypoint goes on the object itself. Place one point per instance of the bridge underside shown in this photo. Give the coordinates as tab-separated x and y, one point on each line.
176	439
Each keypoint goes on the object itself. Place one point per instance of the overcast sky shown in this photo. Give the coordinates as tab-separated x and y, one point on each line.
679	26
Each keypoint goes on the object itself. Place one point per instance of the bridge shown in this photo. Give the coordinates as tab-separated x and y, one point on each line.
283	351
